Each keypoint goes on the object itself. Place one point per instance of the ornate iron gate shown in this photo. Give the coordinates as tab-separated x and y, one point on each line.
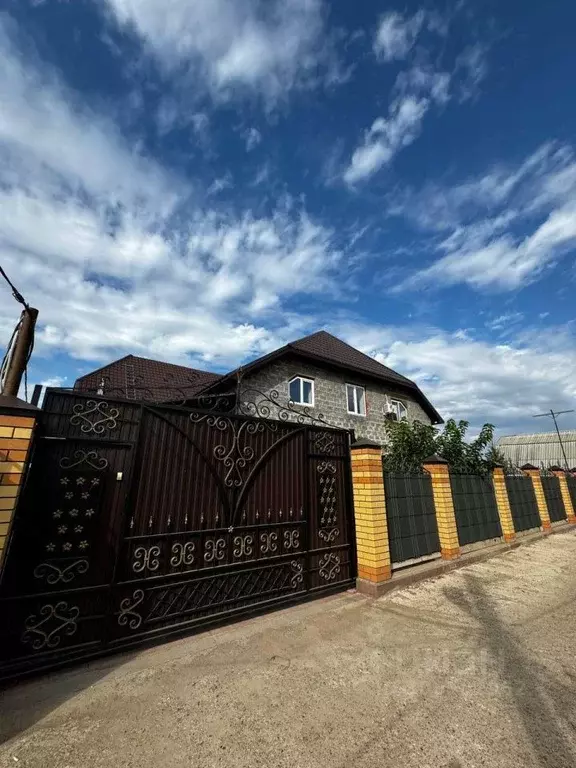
139	521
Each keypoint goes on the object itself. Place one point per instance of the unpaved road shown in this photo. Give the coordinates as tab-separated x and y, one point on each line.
476	668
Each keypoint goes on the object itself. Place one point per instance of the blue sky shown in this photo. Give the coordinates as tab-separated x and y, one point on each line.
201	181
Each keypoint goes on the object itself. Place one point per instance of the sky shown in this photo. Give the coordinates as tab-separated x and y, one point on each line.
202	181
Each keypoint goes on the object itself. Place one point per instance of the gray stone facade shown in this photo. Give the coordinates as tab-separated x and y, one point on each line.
330	396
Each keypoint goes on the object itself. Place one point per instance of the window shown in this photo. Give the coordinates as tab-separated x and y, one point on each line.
355	399
302	391
397	410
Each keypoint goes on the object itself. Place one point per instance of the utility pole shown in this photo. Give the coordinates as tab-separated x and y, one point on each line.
20	352
553	414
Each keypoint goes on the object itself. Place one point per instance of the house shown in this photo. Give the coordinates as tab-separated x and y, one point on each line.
319	373
543	449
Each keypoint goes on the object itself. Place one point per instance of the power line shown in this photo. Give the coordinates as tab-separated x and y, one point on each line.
15	292
553	414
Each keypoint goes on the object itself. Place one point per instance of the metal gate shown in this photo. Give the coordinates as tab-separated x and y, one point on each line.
553	496
138	522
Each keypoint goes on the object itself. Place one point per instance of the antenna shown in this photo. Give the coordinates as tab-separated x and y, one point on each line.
553	415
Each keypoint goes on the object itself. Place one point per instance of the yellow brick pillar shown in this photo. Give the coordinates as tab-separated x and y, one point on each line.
534	474
503	504
372	547
17	421
565	491
437	467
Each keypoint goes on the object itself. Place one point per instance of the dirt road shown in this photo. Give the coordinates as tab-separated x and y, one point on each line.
476	668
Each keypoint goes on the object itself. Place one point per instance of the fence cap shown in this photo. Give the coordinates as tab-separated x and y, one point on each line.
365	443
528	466
9	404
555	468
434	459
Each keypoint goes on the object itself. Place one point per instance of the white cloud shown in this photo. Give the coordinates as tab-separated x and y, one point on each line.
386	137
252	137
503	229
119	256
235	45
469	378
397	34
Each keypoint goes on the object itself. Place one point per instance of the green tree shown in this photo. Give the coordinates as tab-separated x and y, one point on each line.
408	444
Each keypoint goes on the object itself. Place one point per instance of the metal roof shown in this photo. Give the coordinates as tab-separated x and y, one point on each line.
540	449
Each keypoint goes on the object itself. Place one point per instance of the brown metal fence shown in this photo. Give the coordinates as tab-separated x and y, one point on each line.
141	521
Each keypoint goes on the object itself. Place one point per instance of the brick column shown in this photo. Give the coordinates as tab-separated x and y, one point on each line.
17	420
503	504
534	474
447	531
566	498
372	547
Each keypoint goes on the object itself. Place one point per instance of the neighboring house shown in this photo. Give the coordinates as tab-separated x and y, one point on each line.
319	373
542	449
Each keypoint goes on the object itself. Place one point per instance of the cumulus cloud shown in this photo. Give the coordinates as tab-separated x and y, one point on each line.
235	46
120	256
501	230
470	378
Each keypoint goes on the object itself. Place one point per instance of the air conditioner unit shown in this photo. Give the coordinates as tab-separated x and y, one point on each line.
390	411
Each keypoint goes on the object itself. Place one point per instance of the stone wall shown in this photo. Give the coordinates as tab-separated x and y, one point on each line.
330	396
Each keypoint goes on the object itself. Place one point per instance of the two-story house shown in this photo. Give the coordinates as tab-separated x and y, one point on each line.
318	373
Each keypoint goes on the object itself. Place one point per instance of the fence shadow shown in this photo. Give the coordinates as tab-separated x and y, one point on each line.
23	703
542	703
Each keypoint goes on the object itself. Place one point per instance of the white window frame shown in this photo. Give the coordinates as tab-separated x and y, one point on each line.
302	379
396	404
356	387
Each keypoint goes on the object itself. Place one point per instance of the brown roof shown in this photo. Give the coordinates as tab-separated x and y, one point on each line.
324	348
138	378
323	345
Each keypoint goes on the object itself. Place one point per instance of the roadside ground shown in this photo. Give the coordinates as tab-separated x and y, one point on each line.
475	668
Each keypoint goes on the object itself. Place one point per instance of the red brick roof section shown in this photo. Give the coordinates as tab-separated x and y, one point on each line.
138	378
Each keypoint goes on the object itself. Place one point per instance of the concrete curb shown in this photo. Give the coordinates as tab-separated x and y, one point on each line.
434	568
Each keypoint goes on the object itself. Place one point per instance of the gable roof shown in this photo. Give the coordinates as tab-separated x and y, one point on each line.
322	347
140	378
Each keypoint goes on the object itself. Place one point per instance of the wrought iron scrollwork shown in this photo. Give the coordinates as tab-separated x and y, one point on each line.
297	570
268	543
324	442
128	614
329	535
146	559
327	529
329	566
54	574
243	546
95	416
215	550
182	554
38	632
90	458
292	539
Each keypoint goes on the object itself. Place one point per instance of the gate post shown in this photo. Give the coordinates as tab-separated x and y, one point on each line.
565	491
372	547
17	420
534	474
437	467
503	504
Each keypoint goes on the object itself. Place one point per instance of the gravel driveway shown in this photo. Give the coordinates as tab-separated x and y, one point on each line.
475	668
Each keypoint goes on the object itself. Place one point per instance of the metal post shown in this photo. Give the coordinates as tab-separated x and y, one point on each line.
22	346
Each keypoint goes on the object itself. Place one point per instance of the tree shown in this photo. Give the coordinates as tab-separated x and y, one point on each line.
408	444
